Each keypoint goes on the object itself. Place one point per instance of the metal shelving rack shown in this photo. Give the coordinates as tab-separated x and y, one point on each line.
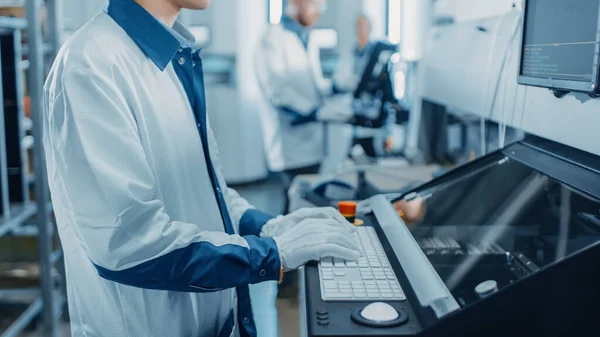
50	296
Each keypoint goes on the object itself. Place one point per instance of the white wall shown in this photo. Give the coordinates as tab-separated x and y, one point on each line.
465	10
376	10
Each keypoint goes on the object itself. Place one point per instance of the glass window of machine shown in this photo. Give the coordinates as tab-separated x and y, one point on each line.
501	223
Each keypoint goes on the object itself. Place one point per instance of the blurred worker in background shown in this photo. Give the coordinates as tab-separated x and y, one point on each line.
155	243
299	97
348	74
353	62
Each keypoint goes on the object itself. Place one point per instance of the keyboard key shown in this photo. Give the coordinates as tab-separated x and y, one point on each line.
351	264
339	273
387	295
391	278
339	263
363	264
386	291
373	295
366	277
356	283
330	284
327	277
326	262
370	286
383	284
377	277
343	282
326	270
360	295
339	295
331	291
342	287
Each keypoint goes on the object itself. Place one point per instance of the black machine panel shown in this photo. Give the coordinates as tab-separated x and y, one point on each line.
502	223
514	236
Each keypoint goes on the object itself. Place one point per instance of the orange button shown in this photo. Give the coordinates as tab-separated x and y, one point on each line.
347	208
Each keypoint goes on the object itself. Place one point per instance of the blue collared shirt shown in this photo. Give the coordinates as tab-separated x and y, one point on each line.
155	243
292	25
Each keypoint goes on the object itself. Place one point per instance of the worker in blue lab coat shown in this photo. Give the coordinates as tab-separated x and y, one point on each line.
155	243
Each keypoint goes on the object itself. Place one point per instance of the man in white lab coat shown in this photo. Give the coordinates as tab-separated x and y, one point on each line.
299	97
155	244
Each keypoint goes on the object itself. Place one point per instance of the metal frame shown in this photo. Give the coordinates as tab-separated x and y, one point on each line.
49	298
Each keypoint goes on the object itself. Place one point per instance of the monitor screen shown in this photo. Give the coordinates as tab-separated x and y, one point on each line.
560	44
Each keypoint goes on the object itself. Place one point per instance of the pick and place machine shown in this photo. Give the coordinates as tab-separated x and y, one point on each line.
509	244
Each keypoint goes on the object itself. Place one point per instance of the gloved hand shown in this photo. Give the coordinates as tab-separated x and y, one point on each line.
314	239
337	108
281	224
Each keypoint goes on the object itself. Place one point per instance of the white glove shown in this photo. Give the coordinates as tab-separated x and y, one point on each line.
337	108
281	224
314	239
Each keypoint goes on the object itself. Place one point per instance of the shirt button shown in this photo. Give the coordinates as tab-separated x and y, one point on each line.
181	61
193	64
193	50
246	320
199	125
263	272
180	50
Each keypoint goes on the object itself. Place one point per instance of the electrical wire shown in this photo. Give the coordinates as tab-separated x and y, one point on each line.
482	131
502	67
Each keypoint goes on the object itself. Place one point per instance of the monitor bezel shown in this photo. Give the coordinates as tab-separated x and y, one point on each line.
589	87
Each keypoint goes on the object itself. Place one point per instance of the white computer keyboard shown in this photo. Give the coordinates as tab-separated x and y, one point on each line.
369	278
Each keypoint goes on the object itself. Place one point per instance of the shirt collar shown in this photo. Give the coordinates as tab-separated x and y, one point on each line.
294	26
159	42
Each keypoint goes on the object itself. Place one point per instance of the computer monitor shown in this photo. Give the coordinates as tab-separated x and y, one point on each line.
560	45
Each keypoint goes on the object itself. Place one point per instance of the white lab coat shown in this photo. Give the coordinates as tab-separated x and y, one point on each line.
145	248
290	76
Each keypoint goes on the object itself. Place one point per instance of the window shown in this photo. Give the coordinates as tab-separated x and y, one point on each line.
394	29
275	11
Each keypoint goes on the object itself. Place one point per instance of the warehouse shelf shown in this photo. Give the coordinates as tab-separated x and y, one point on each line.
15	329
19	214
22	166
46	49
32	310
8	22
